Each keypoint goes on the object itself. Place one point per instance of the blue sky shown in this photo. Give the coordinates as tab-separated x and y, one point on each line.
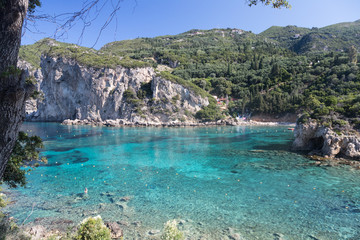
150	18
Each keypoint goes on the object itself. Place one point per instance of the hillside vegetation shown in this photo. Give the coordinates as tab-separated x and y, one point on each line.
282	70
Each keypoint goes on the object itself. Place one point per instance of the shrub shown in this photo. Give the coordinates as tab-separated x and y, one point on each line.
129	94
25	152
187	84
2	199
93	229
340	122
175	99
171	232
188	113
304	118
141	94
209	113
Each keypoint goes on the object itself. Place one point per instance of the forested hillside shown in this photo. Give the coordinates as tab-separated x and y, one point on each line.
282	70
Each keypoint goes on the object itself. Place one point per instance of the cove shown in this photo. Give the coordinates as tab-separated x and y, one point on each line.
210	179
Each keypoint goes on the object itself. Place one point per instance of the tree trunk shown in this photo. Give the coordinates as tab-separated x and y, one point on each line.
13	89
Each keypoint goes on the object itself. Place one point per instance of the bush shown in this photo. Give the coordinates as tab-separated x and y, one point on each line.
304	118
129	94
3	201
171	232
187	84
93	229
209	113
340	123
175	99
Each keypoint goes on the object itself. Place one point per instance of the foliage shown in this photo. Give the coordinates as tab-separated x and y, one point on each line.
33	4
176	98
3	201
273	3
85	56
9	229
285	36
131	98
25	152
209	113
353	54
171	232
187	84
93	228
221	87
129	94
11	71
145	91
277	71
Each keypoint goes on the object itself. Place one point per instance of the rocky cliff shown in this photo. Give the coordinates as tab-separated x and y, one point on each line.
72	91
324	141
36	74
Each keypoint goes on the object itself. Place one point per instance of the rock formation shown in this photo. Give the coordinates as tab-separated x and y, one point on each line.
324	141
30	71
72	91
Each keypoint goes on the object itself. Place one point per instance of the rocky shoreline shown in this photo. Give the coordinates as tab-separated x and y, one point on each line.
326	142
326	146
124	123
61	228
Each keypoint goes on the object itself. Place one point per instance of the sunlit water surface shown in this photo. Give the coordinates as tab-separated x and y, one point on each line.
209	179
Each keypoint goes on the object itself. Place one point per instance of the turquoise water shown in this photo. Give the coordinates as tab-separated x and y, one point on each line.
210	179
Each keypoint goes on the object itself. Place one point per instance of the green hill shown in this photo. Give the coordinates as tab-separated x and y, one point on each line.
86	56
285	36
282	70
337	37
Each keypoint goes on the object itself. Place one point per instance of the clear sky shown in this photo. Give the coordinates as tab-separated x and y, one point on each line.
150	18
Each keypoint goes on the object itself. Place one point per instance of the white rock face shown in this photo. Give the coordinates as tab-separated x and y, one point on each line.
30	71
324	141
72	91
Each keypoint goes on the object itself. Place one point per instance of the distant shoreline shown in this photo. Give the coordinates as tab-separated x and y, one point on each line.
124	123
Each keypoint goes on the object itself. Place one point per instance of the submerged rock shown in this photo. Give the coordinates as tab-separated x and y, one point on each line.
278	236
234	235
126	198
136	223
154	232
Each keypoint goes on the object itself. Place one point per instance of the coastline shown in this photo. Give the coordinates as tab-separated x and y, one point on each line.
124	123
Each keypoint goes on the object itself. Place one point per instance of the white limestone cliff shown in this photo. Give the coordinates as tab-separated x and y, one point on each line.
75	92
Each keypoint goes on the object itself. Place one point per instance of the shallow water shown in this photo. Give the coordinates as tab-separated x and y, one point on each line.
212	178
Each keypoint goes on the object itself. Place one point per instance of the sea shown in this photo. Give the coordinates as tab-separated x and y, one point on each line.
225	182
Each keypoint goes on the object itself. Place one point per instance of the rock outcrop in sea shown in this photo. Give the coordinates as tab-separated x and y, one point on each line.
81	94
324	141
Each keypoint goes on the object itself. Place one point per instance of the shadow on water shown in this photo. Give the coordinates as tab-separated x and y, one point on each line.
275	146
146	139
81	160
78	136
230	140
53	164
69	157
63	149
